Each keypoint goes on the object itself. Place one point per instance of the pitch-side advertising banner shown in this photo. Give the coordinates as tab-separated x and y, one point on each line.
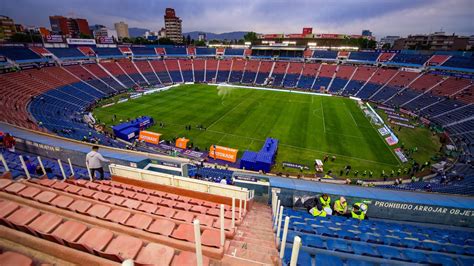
150	137
223	153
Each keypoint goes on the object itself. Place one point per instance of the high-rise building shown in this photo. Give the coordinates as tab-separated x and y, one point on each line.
104	32
122	30
387	40
202	36
173	26
71	27
366	33
435	41
7	28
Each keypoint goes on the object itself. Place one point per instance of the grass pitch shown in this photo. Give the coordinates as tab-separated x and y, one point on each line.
308	126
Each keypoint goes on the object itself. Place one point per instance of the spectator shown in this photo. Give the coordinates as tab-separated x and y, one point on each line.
94	161
340	206
31	167
9	142
358	212
325	201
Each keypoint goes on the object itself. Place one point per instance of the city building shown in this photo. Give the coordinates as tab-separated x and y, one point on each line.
307	37
435	41
122	30
470	43
162	33
71	27
104	32
387	40
366	33
7	28
202	36
173	26
96	27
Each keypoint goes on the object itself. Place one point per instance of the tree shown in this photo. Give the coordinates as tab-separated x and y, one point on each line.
386	46
165	41
84	36
127	40
25	38
188	40
250	37
200	43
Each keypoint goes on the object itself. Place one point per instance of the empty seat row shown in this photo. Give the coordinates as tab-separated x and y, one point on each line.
87	238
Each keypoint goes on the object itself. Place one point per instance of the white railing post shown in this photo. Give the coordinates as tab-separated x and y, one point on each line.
233	213
283	238
24	167
70	166
62	169
42	165
245	206
89	172
240	209
295	251
128	262
222	225
4	162
276	214
273	202
280	216
197	240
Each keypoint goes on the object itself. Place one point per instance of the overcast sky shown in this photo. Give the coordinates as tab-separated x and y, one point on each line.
382	17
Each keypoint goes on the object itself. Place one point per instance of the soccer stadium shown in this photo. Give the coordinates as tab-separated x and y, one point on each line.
219	153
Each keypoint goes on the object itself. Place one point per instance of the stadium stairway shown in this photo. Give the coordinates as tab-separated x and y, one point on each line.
254	243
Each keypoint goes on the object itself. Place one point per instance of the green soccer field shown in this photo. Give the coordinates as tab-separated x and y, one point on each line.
307	126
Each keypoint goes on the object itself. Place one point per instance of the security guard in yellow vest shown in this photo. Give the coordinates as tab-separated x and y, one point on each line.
340	206
357	212
317	211
325	201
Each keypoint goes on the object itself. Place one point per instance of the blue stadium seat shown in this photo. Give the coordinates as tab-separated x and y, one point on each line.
359	263
466	261
338	245
390	253
416	256
313	241
304	258
364	249
441	259
328	260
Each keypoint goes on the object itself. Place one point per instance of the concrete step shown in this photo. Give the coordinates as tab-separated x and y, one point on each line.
251	255
254	247
263	242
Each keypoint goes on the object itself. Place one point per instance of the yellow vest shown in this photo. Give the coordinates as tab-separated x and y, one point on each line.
317	213
360	216
339	207
325	203
360	204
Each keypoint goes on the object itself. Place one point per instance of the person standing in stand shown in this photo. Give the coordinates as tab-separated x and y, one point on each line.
94	161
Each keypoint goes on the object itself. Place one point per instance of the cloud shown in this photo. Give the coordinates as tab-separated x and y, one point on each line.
383	17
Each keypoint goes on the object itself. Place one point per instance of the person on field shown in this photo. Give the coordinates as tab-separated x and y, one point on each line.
94	161
340	206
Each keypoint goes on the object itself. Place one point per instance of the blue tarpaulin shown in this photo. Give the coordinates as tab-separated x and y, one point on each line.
262	160
124	130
